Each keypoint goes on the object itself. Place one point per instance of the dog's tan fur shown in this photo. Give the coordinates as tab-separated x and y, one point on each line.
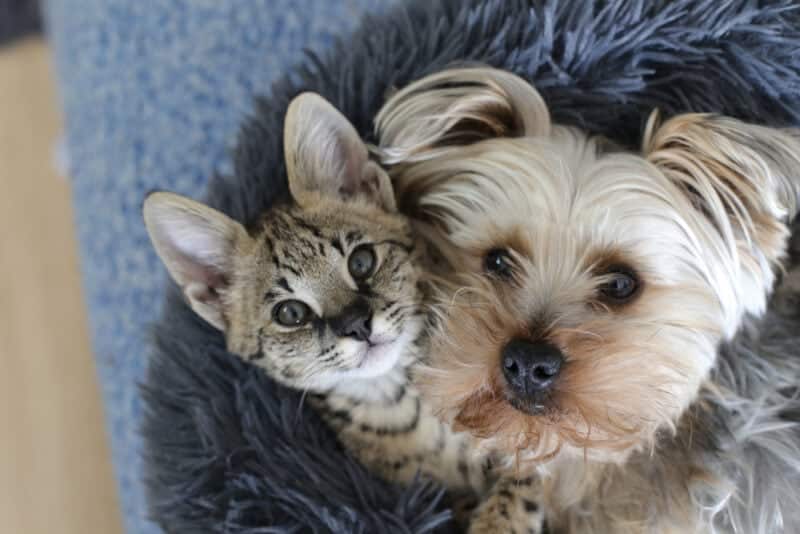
700	214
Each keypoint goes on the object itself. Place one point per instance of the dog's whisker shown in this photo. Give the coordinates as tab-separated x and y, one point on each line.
583	333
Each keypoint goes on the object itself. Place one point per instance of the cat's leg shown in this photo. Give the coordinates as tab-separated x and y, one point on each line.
433	451
512	506
450	458
405	440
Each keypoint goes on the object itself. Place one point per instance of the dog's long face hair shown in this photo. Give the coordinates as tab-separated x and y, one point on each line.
593	284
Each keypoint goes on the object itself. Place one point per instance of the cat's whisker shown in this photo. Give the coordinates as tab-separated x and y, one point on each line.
298	416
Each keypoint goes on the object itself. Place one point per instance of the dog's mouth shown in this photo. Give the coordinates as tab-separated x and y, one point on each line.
537	404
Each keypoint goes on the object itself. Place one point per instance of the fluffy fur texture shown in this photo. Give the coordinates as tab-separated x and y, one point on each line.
698	219
225	446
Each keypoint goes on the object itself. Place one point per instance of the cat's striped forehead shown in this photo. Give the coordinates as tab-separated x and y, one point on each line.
304	235
302	252
299	237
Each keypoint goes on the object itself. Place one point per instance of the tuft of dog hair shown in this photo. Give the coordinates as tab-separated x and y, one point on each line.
697	221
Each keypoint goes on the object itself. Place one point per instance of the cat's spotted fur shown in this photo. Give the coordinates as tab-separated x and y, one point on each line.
324	293
301	253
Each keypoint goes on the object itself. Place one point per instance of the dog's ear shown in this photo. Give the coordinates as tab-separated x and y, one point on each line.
745	178
325	157
197	245
458	107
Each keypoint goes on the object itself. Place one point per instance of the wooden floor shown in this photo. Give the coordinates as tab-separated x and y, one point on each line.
55	474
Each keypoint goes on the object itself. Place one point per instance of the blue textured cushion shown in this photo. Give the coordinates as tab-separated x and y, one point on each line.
153	94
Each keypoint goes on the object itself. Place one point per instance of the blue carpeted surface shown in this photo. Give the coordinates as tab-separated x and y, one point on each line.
154	92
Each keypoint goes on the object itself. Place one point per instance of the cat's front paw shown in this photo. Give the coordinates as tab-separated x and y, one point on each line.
512	506
463	507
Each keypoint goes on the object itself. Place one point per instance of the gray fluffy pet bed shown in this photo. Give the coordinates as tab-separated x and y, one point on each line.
228	450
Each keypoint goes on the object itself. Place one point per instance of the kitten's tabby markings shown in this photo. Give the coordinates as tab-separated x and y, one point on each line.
324	295
509	508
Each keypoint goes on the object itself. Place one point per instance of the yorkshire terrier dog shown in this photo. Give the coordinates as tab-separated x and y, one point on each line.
587	334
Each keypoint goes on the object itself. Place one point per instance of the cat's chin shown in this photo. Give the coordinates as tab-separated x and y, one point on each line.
383	358
377	361
384	355
380	358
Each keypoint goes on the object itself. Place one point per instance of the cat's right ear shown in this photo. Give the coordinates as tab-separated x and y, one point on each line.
197	245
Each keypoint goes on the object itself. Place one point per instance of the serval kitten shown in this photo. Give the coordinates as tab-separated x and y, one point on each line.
324	295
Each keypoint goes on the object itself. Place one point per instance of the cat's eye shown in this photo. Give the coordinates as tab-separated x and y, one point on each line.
498	262
621	285
292	313
361	262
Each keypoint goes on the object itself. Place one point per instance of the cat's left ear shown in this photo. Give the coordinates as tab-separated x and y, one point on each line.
325	157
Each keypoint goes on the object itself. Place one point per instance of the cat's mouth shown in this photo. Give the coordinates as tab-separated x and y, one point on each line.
376	348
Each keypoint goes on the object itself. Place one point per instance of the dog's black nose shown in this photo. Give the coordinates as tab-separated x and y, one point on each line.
530	368
354	321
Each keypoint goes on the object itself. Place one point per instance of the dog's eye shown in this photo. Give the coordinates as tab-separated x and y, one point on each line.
621	285
498	262
361	262
291	313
